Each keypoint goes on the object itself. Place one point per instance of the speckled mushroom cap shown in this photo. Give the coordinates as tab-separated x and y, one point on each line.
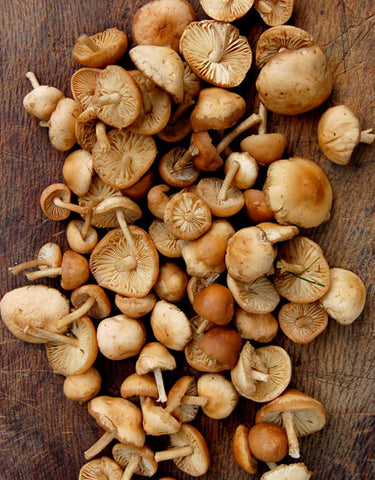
95	469
113	266
216	52
298	192
83	85
135	460
258	296
274	12
302	322
295	471
226	11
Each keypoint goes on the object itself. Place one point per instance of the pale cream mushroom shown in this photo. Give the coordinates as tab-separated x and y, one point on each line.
42	99
260	327
49	255
78	171
61	124
241	450
157	421
81	236
259	296
274	12
192	87
221	394
278	233
227	10
241	170
165	242
134	460
171	283
295	471
84	386
302	322
170	325
157	200
135	307
95	469
83	85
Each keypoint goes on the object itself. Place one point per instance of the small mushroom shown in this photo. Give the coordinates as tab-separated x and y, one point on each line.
157	200
295	471
83	85
268	442
265	148
82	387
192	87
259	296
260	327
221	394
165	242
228	10
256	207
278	233
55	202
78	171
61	124
139	386
81	236
274	12
135	307
223	200
183	399
171	283
222	344
241	450
42	99
302	322
85	130
95	469
134	460
208	158
157	421
49	255
176	167
139	190
198	358
339	132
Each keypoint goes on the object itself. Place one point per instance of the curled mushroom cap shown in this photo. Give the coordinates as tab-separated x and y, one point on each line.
55	202
170	325
302	322
298	192
226	11
83	85
216	52
278	233
241	450
295	471
274	12
42	99
84	386
339	132
135	460
346	296
222	396
101	49
95	469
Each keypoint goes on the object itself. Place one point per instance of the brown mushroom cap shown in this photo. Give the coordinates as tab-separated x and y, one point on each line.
83	84
170	325
77	171
256	207
260	327
274	12
82	387
74	270
223	344
101	49
259	296
222	396
295	471
216	52
268	442
135	307
55	202
135	460
241	451
95	469
298	192
302	322
62	123
265	148
136	385
215	303
207	159
226	11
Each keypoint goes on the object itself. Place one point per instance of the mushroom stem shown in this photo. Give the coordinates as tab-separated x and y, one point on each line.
108	99
33	80
173	453
50	336
259	376
233	169
76	314
180	110
101	137
241	127
204	325
44	124
291	433
190	153
26	265
99	445
271	465
70	206
89	42
131	467
262	127
160	385
47	272
199	401
87	224
125	230
367	136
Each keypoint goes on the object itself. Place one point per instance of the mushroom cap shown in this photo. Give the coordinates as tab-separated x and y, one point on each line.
216	52
84	386
339	132
268	442
302	272
265	148
157	199
154	355
83	84
247	172
135	307
207	159
46	200
74	270
171	283
102	306
77	171
260	327
241	450
162	65
67	359
199	359
209	188
62	123
222	396
295	471
110	268
85	130
95	469
120	337
278	233
256	207
170	325
177	177
223	344
116	414
165	242
298	192
51	254
157	420
75	239
217	109
259	296
112	44
271	360
309	415
346	296
302	322
226	11
136	385
175	132
215	303
123	455
130	210
249	255
36	305
42	101
273	12
185	385
129	157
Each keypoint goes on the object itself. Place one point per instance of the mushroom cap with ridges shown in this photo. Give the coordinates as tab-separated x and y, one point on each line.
95	469
84	386
259	296
154	355
198	359
136	385
226	11
185	385
273	12
222	396
135	307
85	130
46	200
295	471
302	322
102	306
130	209
177	177
165	242
123	455
241	451
83	84
208	190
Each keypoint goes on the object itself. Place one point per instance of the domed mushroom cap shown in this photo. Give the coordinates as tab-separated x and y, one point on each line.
42	100
130	210
135	307
84	386
226	11
216	52
101	49
215	303
265	148
222	396
260	327
199	359
36	305
100	303
295	471
298	192
77	171
274	12
135	460
222	344
157	420
62	123
154	355
83	85
268	442
259	296
95	469
302	322
241	450
170	325
136	385
346	296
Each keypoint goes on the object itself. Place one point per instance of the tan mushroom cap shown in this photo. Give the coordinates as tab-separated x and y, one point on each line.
170	325
222	396
207	159
302	272
129	157
157	199
84	386
216	52
49	255
83	85
157	420
278	233
161	22
188	451
130	210
298	192
209	189
259	296
80	237
241	450
77	171
226	11
135	460
302	322
268	442
273	12
175	132
197	358
262	374
265	148
55	202
74	270
42	99
136	385
260	327
114	267
256	207
85	130
95	469
101	49
165	242
135	307
36	305
346	296
62	123
183	401
162	65
241	169
215	303
176	167
295	471
171	283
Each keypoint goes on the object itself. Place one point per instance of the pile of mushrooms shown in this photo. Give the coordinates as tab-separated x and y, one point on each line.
207	287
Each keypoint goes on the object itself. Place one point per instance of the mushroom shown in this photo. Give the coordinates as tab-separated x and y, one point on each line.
198	358
295	471
157	200
61	124
221	394
192	87
165	242
55	202
274	12
216	52
259	296
95	469
157	420
183	399
228	10
241	170
85	130
120	337
223	344
101	49
120	419
339	132
83	85
241	450
298	192
134	460
176	167
42	99
297	412
154	357
268	442
256	207
84	386
196	284
175	132
302	272
141	386
49	255
302	322
170	325
260	327
278	233
78	171
36	305
261	374
171	283
139	190
135	307
294	76
345	299
161	22
188	450
223	200
81	236
207	159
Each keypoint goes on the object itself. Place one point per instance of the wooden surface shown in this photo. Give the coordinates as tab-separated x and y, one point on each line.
42	434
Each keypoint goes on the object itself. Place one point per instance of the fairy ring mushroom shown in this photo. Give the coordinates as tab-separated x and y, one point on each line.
171	283
268	442
49	255
259	296
223	344
55	202
302	322
183	400
41	101
260	327
274	12
78	171
137	386
135	307
293	471
241	450
83	85
222	397
157	421
81	236
134	460
176	167
226	11
84	386
165	242
61	124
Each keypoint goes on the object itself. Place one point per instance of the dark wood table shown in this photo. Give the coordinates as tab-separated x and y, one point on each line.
43	435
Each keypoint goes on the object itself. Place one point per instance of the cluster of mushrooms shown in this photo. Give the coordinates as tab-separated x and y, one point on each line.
192	278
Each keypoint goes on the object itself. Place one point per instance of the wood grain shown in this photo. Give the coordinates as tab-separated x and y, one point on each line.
43	435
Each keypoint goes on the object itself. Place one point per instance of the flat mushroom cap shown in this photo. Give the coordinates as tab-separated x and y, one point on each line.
273	12
241	450
83	85
162	65
154	355
295	471
170	325
111	45
216	52
298	192
124	454
135	307
95	469
222	396
258	296
226	11
136	385
120	416
36	305
113	267
302	322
